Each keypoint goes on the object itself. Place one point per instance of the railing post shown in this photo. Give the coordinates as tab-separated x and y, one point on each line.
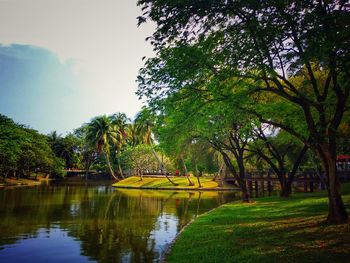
262	184
269	185
323	187
311	183
250	184
305	182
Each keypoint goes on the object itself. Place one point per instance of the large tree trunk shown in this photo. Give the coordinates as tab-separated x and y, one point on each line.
286	188
190	183
197	176
241	181
218	173
337	213
141	174
110	166
222	175
245	192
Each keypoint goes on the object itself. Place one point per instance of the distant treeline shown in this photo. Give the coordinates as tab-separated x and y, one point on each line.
24	151
112	145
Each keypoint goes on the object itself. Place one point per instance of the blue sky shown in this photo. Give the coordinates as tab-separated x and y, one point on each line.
63	62
38	90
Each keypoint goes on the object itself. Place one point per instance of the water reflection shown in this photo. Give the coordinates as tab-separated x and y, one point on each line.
96	223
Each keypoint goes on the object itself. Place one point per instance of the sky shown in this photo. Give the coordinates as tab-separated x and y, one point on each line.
62	62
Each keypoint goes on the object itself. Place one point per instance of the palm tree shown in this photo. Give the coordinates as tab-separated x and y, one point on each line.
120	121
133	133
102	133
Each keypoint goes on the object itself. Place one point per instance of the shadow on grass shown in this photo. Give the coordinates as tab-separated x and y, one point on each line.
268	230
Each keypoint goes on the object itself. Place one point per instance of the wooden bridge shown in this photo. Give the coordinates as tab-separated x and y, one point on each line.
308	181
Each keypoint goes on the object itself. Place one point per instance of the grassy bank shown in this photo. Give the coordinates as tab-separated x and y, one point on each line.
267	230
168	194
163	183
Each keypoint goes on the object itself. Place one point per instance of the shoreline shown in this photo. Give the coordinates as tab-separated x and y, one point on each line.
9	183
167	251
178	188
181	184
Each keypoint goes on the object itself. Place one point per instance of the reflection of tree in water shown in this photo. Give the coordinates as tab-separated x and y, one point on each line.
117	226
110	225
195	204
24	210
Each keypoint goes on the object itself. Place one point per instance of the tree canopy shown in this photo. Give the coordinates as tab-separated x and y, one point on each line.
293	54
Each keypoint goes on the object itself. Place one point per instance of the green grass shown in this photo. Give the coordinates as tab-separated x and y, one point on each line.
168	194
152	182
268	230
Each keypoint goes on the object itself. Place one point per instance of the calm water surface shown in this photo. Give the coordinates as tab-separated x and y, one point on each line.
65	223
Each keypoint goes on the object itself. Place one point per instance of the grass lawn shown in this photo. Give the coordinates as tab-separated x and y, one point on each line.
152	182
268	230
168	194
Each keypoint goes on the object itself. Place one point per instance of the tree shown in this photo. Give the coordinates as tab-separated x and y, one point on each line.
133	131
187	119
174	143
87	152
65	148
101	134
120	121
24	151
145	121
265	44
282	153
141	159
10	149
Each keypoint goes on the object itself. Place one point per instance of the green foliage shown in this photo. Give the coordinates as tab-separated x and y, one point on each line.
295	52
24	151
58	167
284	62
141	158
114	143
65	148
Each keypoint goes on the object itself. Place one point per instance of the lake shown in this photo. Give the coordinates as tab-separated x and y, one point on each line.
78	223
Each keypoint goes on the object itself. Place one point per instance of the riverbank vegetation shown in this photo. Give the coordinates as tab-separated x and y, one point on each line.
25	152
269	229
106	145
261	83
